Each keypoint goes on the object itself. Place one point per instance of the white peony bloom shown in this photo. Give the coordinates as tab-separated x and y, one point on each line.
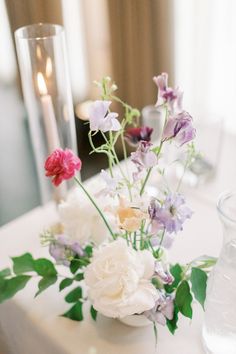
81	220
118	280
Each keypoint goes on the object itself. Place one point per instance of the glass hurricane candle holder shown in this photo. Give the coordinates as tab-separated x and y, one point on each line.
46	88
219	330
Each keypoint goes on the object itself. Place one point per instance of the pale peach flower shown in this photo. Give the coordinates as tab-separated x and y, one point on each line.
130	218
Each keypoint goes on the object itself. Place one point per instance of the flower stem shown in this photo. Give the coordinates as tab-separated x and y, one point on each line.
117	99
96	206
124	152
161	241
145	181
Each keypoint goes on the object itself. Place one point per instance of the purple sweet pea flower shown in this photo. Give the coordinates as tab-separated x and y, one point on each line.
180	128
143	158
58	252
162	272
134	135
172	97
171	214
63	250
101	119
163	309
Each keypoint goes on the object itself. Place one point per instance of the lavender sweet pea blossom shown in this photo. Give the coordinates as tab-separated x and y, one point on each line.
172	97
62	250
143	158
171	214
162	272
163	309
180	128
101	119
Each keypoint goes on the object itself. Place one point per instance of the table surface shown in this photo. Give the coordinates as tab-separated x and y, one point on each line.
29	325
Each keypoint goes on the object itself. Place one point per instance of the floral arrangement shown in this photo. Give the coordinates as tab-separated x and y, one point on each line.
113	237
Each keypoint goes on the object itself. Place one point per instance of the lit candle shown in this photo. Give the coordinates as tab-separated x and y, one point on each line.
50	128
48	115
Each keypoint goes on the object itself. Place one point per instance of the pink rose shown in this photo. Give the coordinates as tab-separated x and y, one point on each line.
61	165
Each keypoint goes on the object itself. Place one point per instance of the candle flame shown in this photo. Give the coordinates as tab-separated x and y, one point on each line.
48	67
38	52
41	84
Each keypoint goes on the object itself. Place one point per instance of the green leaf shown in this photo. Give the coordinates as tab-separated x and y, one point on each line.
44	267
172	324
93	313
75	313
176	271
75	295
89	250
74	266
79	276
9	287
45	282
65	283
199	283
183	299
23	264
5	272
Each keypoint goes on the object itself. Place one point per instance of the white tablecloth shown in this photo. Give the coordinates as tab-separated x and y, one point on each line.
29	325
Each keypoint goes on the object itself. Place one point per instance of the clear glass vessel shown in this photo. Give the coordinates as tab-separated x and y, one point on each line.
219	330
45	80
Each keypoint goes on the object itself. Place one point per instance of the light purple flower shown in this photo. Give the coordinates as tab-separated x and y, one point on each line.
112	184
180	128
173	97
63	250
163	309
172	213
143	158
162	272
101	119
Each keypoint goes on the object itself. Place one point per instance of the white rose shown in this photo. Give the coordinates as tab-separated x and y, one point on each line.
81	220
118	280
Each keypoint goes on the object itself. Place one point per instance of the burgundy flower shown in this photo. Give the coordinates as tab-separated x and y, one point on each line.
62	165
134	135
180	127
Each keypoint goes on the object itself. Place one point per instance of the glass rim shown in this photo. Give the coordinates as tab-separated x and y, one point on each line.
221	200
19	31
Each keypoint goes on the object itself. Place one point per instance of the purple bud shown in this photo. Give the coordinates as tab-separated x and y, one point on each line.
162	272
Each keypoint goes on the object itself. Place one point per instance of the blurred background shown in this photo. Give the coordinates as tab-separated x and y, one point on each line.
131	41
